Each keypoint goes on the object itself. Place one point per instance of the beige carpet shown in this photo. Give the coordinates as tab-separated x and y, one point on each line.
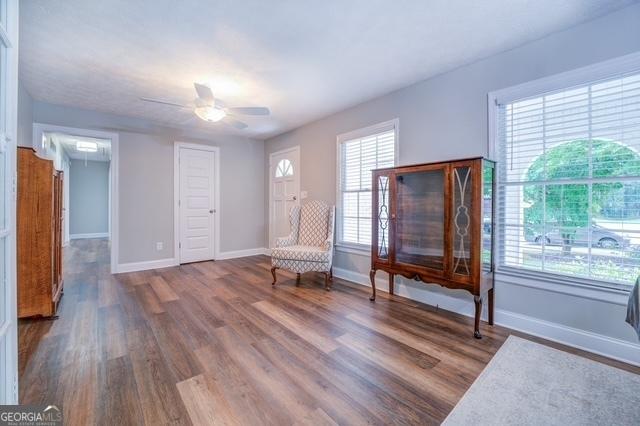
530	384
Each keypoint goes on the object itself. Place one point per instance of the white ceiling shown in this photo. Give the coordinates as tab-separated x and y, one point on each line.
68	143
302	59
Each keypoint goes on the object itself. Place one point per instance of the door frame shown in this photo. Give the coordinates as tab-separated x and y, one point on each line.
9	100
177	145
296	150
114	137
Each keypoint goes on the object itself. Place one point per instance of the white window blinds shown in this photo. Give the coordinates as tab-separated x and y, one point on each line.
358	156
569	181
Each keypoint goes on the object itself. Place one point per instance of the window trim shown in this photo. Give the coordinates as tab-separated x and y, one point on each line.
394	125
562	81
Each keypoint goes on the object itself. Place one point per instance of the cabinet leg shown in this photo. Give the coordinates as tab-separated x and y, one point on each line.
476	331
372	277
298	278
391	283
491	295
273	272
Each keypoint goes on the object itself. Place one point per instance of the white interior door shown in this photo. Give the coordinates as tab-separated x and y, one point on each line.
196	204
8	123
284	191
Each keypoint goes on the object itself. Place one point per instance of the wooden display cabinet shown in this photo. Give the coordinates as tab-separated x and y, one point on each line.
39	235
434	223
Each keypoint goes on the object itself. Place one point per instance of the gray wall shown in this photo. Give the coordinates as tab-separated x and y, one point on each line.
445	117
25	117
88	197
146	182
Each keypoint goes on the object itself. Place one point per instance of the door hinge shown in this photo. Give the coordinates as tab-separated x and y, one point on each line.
179	245
178	202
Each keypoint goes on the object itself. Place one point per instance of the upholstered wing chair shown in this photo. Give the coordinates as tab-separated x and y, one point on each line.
309	247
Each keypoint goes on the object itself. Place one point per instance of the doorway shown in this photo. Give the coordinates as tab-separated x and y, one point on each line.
284	190
93	153
196	194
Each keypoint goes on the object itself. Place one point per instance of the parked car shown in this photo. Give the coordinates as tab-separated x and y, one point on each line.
600	237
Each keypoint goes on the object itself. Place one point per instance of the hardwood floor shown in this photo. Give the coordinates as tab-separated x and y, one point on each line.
213	343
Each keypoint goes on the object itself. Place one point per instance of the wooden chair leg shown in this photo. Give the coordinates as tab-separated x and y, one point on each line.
372	277
331	274
476	331
298	278
273	272
326	281
491	296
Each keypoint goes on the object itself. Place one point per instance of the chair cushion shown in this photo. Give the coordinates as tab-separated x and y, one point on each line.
314	220
301	253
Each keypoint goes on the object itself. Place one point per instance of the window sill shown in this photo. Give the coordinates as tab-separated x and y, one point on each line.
354	249
600	291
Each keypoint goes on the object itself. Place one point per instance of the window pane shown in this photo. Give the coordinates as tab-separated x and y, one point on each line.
358	157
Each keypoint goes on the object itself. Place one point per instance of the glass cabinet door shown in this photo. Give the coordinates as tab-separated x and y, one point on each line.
382	217
420	216
462	176
488	172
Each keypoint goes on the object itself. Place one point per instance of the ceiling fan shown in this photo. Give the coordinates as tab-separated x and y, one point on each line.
210	109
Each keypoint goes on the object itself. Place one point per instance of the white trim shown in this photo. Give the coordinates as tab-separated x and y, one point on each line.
618	349
39	128
563	284
296	150
176	195
568	79
583	287
9	98
358	249
609	347
149	264
242	253
89	235
355	134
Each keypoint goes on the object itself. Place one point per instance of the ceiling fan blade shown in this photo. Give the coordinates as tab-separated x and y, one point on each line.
159	101
204	92
235	123
249	110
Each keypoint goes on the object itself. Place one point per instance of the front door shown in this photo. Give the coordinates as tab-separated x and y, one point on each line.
196	204
284	191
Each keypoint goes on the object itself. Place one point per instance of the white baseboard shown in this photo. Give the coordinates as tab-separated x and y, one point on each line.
241	253
143	266
610	347
618	349
166	263
93	235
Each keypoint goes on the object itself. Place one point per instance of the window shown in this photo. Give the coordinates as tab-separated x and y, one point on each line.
360	152
284	168
569	180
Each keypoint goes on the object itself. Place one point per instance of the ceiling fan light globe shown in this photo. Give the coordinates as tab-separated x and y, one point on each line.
210	113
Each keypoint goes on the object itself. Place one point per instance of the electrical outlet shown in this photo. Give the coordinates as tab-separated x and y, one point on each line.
159	246
303	194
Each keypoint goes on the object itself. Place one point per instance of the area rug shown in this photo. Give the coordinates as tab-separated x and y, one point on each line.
531	384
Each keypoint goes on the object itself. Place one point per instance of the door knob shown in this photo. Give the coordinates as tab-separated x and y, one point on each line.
295	198
211	211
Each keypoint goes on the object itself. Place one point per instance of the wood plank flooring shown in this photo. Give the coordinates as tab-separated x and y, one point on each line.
213	343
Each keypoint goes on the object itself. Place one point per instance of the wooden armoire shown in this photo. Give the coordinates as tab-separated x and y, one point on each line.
39	235
434	223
